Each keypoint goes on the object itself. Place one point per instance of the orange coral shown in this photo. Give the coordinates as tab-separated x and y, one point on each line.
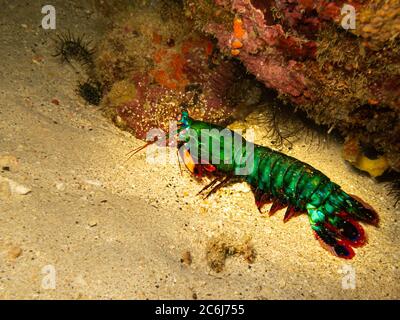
158	55
238	30
161	77
171	61
235	52
238	33
237	44
177	63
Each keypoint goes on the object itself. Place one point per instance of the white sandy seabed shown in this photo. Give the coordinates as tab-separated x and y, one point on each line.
77	221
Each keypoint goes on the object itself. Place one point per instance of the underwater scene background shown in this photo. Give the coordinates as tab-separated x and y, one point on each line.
83	218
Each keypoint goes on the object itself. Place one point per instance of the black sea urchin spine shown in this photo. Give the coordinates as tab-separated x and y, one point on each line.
78	48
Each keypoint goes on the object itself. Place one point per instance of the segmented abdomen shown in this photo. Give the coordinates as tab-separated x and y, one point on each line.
290	180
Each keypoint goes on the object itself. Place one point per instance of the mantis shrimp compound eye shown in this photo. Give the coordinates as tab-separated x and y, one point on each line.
183	119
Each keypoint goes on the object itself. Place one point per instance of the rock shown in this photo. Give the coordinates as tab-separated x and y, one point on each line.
92	223
14	187
60	186
95	183
20	189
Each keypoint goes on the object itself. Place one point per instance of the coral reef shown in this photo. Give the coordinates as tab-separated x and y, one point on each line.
345	79
379	23
159	64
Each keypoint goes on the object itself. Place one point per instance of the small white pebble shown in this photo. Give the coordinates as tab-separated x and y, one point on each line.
92	223
95	183
60	186
15	187
20	189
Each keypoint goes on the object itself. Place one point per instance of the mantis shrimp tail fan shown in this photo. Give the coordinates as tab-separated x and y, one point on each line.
335	226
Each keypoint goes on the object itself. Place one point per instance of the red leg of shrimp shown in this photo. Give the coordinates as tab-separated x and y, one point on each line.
290	213
261	198
276	206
